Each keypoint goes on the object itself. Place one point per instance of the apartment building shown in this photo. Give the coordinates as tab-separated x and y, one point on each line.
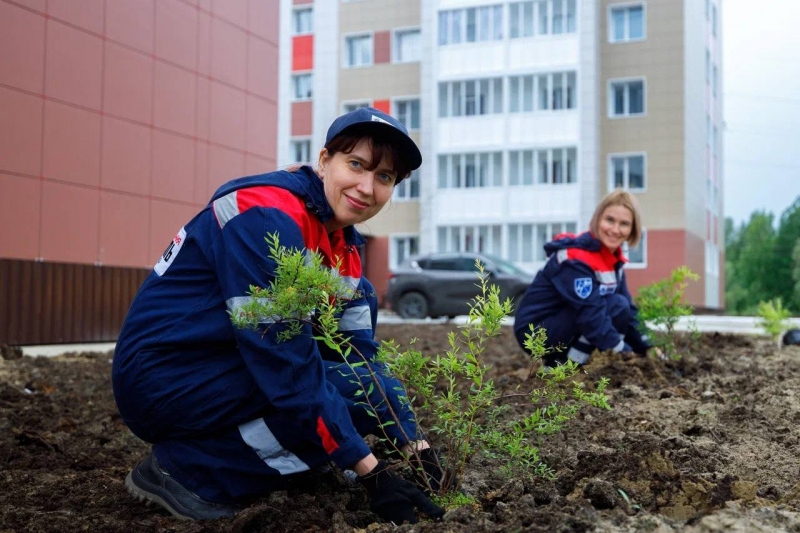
527	113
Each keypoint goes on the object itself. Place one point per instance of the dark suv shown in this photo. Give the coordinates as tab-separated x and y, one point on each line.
444	284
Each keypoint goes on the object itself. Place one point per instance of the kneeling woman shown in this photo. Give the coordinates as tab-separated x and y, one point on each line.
234	413
580	297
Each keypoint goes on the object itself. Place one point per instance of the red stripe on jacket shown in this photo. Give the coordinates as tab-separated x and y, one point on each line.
328	442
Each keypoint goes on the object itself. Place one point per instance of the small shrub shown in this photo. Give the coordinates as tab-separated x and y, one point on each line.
661	307
774	318
464	407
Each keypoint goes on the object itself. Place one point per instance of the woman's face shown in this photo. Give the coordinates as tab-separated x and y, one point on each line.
615	226
355	193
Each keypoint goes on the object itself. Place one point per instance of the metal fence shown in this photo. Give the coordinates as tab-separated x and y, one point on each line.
53	303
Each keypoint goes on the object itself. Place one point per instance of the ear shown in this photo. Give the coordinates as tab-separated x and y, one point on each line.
322	162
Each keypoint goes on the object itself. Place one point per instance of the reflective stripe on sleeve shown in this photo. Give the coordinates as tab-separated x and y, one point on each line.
355	318
259	437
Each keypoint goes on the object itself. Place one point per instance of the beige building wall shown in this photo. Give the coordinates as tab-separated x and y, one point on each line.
379	81
660	132
380	15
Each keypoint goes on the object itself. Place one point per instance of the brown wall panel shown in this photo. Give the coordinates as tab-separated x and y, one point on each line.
53	303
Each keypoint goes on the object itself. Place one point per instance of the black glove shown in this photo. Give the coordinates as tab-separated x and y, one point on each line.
394	499
430	469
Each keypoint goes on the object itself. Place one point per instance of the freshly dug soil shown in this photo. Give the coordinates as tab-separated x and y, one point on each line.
707	443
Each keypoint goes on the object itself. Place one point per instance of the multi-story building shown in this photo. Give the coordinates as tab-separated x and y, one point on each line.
527	113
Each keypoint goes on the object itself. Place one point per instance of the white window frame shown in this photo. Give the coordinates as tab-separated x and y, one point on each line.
626	178
345	49
627	37
359	103
405	187
395	43
610	104
643	244
294	77
406	238
297	9
296	140
447	179
405	100
491	96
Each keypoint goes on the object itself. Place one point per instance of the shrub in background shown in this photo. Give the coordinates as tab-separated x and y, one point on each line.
661	306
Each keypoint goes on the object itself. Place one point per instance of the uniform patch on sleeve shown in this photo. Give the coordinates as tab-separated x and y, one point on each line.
583	287
169	254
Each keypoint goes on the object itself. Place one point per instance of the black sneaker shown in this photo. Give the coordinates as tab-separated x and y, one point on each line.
148	482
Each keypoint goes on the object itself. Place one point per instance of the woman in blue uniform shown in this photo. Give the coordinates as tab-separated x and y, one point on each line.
580	297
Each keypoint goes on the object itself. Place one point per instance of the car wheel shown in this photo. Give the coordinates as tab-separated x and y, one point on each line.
412	305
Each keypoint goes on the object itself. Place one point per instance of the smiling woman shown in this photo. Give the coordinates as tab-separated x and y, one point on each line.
581	297
234	413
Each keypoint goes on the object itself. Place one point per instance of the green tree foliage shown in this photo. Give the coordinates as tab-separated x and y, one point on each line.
761	263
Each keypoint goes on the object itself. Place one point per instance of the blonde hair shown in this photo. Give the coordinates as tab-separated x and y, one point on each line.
624	199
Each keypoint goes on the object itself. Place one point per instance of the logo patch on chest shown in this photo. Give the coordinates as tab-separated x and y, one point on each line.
583	287
607	288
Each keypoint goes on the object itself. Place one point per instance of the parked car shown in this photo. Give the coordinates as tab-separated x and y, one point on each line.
444	284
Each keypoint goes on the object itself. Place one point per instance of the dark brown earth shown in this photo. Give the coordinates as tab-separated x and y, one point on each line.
707	443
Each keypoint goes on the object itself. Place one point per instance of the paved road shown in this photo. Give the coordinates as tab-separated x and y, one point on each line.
706	323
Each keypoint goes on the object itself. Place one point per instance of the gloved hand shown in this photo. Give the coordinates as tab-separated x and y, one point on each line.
394	499
429	467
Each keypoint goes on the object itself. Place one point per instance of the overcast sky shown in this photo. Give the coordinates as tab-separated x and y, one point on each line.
761	87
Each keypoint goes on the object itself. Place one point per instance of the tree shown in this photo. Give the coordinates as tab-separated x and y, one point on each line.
749	273
781	281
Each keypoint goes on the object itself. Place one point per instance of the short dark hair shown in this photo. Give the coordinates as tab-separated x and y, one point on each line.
380	146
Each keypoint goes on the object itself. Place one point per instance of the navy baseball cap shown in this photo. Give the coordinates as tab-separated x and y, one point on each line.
370	118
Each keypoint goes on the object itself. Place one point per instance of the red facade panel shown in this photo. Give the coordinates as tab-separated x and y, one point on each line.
73	65
20	132
383	105
71	144
228	53
262	64
383	47
263	20
173	167
261	135
126	157
302	120
20	216
176	33
128	84
21	48
70	221
174	99
233	11
86	14
119	246
131	23
228	117
302	52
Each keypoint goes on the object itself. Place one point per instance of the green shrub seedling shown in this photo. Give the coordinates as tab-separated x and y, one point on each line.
661	305
774	319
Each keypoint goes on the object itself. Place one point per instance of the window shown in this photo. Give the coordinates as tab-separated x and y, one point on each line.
548	166
714	79
403	248
541	17
626	98
714	20
470	25
352	106
302	21
626	24
627	172
542	92
300	151
302	86
467	171
359	50
407	46
487	239
408	188
526	241
470	97
637	255
407	112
